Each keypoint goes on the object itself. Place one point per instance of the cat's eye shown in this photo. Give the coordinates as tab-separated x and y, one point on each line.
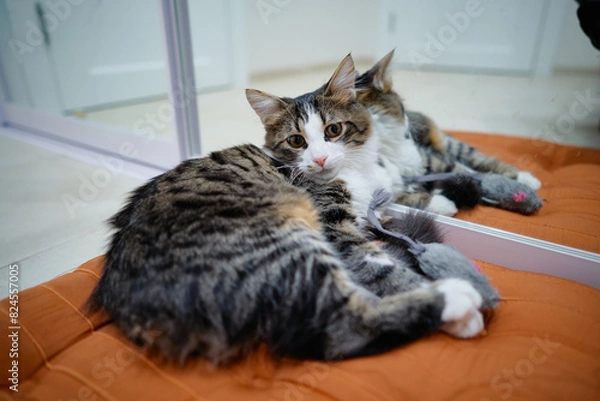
333	130
296	141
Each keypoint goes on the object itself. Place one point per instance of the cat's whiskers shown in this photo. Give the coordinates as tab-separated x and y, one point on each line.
295	173
290	166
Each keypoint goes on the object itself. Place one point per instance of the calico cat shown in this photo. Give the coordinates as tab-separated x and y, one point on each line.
246	246
411	144
325	133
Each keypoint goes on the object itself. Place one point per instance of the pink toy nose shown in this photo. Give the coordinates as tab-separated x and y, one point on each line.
519	196
320	160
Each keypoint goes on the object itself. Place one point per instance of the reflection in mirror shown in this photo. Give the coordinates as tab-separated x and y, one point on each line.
103	64
502	78
62	59
104	61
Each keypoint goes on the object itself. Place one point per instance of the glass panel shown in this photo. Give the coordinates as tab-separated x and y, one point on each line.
470	66
96	61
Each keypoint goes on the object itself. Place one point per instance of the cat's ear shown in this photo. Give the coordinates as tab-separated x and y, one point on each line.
341	84
379	76
268	107
383	77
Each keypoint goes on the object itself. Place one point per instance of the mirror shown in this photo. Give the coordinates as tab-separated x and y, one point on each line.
518	80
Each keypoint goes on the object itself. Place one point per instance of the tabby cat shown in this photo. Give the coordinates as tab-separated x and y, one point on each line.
246	246
411	144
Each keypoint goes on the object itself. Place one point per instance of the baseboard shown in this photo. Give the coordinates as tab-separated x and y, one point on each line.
76	152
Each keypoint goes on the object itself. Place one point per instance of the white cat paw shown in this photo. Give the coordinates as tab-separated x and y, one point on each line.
439	204
461	314
527	178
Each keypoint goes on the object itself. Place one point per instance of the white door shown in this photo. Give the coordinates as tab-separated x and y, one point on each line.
94	67
458	34
58	57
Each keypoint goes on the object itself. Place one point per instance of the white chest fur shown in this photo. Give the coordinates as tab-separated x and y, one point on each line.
379	163
397	150
364	176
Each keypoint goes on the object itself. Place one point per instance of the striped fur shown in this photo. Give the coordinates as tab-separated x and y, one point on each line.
411	144
226	252
443	153
216	256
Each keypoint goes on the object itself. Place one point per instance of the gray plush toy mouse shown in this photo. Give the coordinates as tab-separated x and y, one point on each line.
468	189
505	193
436	260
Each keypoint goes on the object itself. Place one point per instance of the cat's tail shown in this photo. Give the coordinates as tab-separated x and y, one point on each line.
410	228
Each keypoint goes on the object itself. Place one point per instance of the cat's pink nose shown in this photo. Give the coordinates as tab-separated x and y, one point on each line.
320	160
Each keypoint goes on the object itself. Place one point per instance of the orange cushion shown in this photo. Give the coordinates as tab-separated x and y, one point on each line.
570	179
541	343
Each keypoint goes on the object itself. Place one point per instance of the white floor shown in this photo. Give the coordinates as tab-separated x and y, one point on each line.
46	234
513	105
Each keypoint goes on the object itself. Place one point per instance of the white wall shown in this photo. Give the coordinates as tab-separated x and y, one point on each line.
465	35
291	34
575	50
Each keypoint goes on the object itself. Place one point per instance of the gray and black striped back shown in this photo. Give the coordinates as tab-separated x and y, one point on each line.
206	252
